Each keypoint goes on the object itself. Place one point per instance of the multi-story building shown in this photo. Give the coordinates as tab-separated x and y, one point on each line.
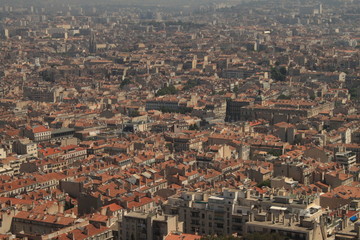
2	153
296	170
11	165
72	155
29	224
81	230
233	109
37	133
237	211
148	226
183	142
43	94
167	104
347	159
27	147
274	111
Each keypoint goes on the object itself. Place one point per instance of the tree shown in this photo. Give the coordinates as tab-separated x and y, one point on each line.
283	70
274	152
266	183
354	93
193	127
283	96
134	113
236	89
68	205
168	145
48	75
191	83
170	90
278	73
125	82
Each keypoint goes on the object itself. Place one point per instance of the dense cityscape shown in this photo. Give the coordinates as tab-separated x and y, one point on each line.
180	120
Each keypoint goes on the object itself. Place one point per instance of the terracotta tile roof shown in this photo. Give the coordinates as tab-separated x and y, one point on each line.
142	201
13	201
113	207
40	129
182	236
46	218
84	233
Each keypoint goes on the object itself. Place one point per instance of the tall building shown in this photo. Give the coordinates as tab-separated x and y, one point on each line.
92	43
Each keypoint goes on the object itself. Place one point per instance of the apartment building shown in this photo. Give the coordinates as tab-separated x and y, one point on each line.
240	212
297	170
148	226
25	147
347	159
29	224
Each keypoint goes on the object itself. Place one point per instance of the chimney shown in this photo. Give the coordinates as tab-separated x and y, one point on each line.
346	222
153	177
248	194
283	218
271	196
272	218
61	207
71	236
85	231
251	217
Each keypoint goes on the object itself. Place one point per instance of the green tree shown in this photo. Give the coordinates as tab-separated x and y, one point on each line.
193	127
274	152
134	113
266	183
283	71
278	73
236	89
191	83
170	90
354	93
283	96
169	146
222	92
48	75
125	82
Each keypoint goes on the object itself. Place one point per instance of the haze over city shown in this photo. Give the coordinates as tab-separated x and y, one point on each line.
179	120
